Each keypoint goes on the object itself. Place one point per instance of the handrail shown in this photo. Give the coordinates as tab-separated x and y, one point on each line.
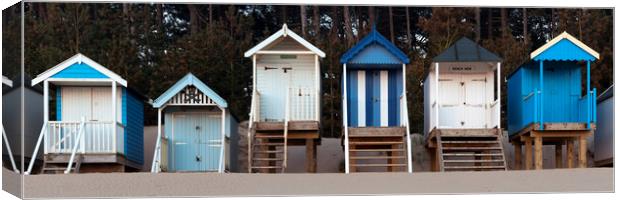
36	148
157	151
405	110
8	148
75	146
286	119
250	126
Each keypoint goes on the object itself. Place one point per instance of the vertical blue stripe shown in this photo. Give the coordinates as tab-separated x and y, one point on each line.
393	99
369	98
353	98
376	94
58	103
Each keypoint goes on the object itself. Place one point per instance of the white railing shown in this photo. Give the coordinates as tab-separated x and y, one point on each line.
287	114
98	138
494	111
254	116
405	112
303	105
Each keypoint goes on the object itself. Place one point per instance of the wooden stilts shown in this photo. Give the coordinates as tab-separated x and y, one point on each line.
310	156
352	161
583	149
569	153
558	156
538	151
433	159
528	153
518	153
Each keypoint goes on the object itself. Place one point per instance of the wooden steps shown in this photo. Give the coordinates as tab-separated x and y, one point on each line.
268	149
475	152
373	149
59	166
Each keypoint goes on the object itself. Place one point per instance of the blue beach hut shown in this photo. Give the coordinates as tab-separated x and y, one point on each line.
375	106
546	100
198	126
99	124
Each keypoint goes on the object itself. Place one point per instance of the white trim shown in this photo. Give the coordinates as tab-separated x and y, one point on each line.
344	120
45	114
499	96
92	80
284	32
406	110
114	117
361	98
436	96
223	142
7	81
383	101
79	58
317	86
557	39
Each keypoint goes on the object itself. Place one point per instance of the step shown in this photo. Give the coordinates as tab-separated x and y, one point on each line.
469	142
269	152
57	169
268	159
376	150
378	165
269	136
375	143
266	167
472	161
471	148
473	154
268	144
375	157
474	167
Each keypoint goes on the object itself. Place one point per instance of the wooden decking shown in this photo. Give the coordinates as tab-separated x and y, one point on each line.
94	162
557	134
292	126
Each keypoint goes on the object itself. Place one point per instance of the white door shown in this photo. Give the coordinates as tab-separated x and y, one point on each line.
275	83
475	93
450	101
76	103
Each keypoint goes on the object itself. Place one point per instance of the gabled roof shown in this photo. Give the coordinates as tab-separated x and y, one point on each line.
466	50
79	58
188	80
564	47
7	81
284	32
374	38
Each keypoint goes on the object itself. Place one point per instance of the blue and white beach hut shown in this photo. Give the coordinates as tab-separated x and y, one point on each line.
197	126
546	100
99	122
375	106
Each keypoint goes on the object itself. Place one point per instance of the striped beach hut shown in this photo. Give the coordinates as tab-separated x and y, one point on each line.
548	105
376	133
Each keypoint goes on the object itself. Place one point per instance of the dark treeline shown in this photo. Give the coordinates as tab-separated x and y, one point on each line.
153	45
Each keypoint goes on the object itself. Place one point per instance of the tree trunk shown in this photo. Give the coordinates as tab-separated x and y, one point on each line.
409	37
284	14
478	23
302	13
526	36
504	22
489	23
210	15
391	24
371	15
315	21
347	25
159	17
193	19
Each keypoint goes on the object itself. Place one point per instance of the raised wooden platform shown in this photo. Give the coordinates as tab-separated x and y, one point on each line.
431	137
466	149
292	126
377	148
557	134
95	162
377	131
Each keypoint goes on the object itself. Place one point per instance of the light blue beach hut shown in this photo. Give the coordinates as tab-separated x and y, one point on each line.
198	125
546	99
375	106
99	123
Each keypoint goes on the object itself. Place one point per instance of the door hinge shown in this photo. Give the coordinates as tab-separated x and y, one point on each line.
286	69
269	68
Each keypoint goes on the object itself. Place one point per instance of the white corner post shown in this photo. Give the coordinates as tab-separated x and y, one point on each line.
345	119
222	141
254	72
499	96
157	153
436	95
46	116
317	86
406	111
114	128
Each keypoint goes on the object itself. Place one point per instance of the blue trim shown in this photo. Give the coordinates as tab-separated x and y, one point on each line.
79	70
58	103
564	50
353	99
541	83
369	97
187	80
373	38
589	107
124	107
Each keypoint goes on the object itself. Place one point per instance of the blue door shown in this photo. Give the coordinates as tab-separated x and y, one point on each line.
196	142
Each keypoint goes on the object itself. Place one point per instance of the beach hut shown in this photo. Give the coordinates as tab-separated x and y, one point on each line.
285	107
7	84
547	103
198	124
604	133
376	123
98	125
462	109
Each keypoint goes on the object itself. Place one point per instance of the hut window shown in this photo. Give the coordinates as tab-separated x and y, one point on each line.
288	56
